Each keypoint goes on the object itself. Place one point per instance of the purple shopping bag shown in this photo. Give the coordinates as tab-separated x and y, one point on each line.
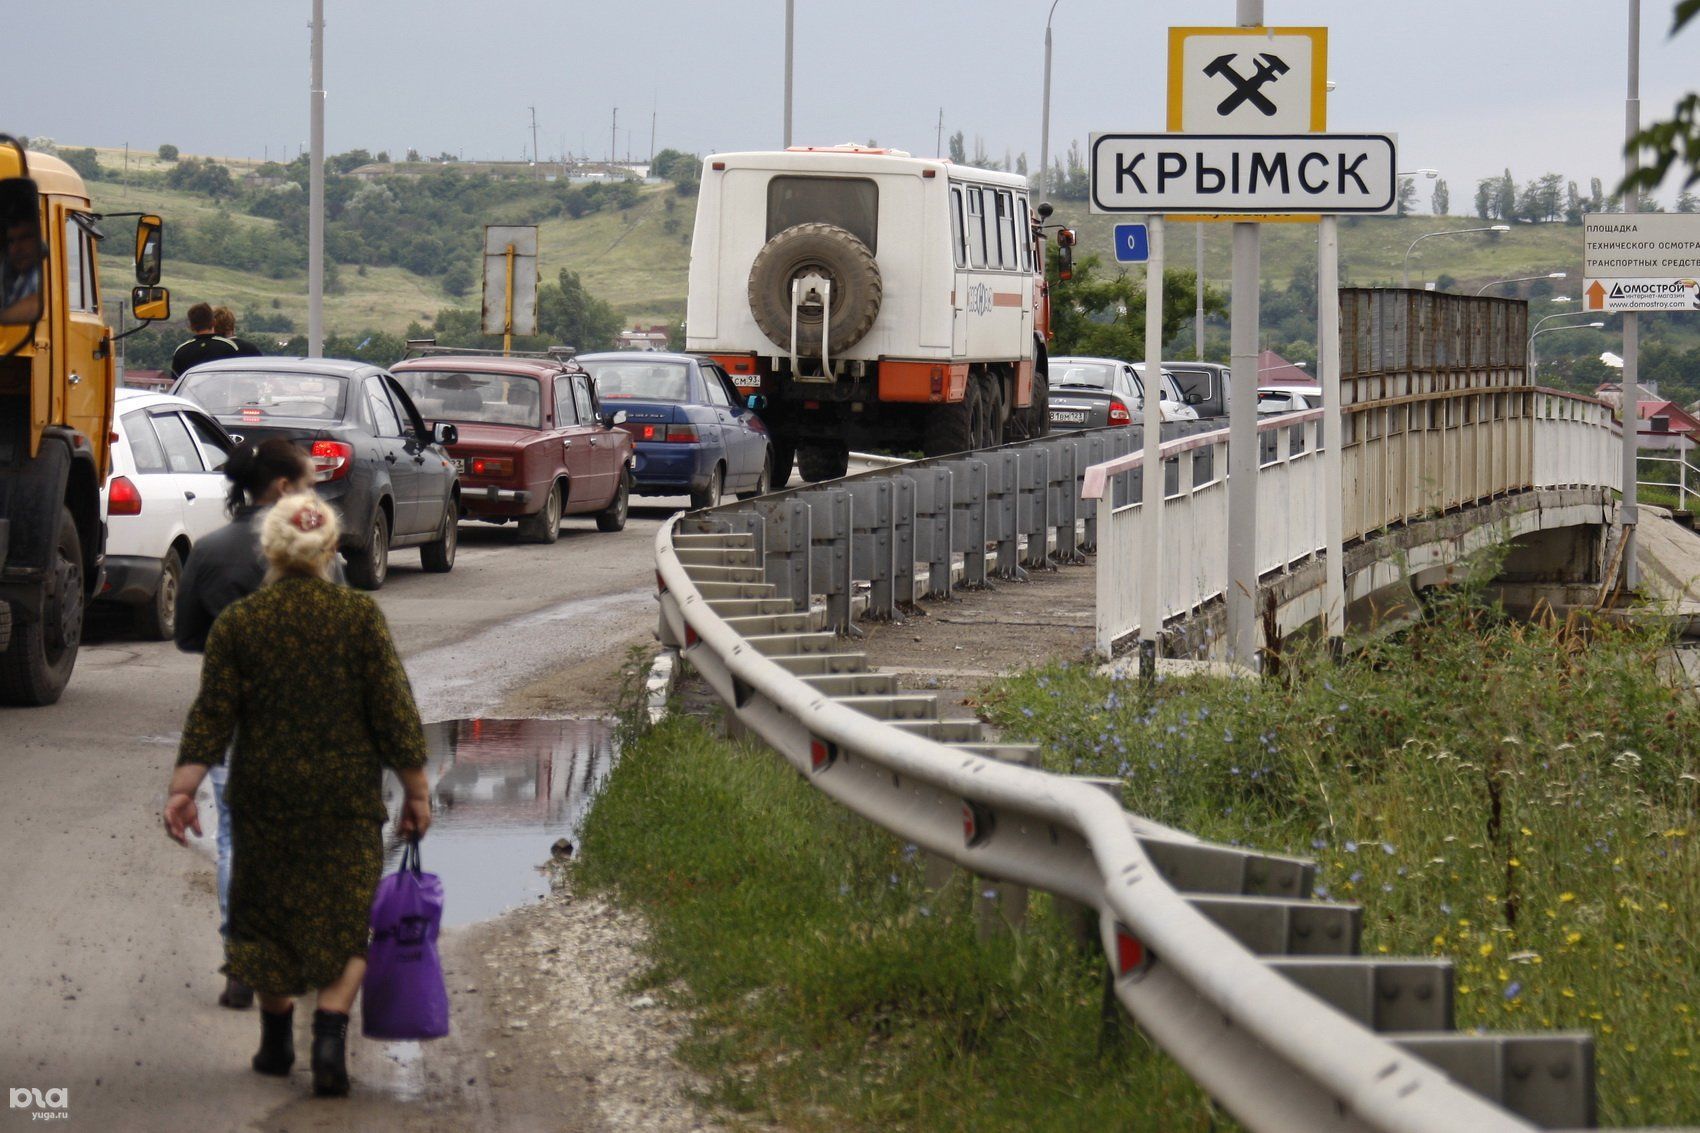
404	993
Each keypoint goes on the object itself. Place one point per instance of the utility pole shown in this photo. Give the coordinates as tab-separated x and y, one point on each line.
1631	411
790	39
536	158
938	139
614	138
316	192
652	135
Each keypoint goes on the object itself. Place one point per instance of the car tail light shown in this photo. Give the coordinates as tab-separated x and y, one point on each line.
122	498
331	460
643	432
1119	414
682	434
492	466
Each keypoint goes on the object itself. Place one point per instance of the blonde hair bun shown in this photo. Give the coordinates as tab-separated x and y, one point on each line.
299	535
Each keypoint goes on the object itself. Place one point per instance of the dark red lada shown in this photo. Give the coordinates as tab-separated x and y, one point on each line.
534	443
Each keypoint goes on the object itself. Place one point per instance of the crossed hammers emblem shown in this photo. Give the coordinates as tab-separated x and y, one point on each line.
1247	88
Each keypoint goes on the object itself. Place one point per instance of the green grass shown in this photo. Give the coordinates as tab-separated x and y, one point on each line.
830	989
1521	798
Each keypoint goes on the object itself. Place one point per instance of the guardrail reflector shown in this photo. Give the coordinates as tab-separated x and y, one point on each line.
976	823
1131	957
822	754
691	637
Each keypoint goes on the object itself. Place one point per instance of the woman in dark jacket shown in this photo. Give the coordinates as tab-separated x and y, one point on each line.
303	674
223	567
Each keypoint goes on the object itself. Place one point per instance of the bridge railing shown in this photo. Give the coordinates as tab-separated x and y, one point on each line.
1404	458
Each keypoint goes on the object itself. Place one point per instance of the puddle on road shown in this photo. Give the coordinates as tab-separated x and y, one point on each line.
502	793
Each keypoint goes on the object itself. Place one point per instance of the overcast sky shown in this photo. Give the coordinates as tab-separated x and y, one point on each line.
1469	88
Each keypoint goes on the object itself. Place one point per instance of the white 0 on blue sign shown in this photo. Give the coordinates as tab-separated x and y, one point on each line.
1132	244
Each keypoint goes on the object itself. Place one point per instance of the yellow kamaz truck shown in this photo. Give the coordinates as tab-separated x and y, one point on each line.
56	380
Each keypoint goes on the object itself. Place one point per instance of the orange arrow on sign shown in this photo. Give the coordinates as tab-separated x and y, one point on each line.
1596	296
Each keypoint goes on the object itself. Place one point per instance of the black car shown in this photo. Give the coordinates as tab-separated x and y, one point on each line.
387	475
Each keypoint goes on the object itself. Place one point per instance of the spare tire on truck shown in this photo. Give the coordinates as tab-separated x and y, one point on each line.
836	255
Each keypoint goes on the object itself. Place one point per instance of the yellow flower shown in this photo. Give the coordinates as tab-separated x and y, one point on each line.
1527	833
1567	897
1568	994
1514	863
1572	938
1486	949
1630	1048
1680	1052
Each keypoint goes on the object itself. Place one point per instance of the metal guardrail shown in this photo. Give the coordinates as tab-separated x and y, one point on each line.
1219	953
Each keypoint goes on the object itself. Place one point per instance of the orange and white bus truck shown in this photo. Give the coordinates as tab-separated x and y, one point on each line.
871	299
56	379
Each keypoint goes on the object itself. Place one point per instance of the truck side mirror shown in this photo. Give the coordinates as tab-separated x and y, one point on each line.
150	304
20	267
149	230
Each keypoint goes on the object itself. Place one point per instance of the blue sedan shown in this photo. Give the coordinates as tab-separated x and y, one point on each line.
693	433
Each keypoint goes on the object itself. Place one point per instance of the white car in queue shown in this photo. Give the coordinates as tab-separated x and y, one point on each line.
166	491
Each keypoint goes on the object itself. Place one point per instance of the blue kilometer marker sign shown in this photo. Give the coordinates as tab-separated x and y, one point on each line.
1132	247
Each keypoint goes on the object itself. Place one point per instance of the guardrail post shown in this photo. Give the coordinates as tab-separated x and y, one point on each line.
934	517
1033	506
1003	489
902	541
829	554
1066	471
968	530
1001	906
786	554
872	544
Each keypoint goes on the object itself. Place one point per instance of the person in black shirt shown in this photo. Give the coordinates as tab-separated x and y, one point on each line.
206	346
224	325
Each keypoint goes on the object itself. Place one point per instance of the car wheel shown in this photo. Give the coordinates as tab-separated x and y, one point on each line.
613	518
37	663
784	457
370	565
543	526
762	481
157	620
439	557
710	496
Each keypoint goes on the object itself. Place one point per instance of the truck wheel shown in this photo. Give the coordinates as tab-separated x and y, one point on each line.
992	401
543	526
157	620
784	456
950	428
827	461
37	663
368	567
818	249
1039	416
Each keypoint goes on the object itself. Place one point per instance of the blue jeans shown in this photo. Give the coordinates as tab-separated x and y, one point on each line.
218	773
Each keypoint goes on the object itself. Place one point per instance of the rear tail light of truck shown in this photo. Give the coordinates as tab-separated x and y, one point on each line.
1119	414
122	498
331	460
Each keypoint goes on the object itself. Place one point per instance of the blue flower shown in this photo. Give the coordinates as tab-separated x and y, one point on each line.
1387	848
1318	843
1351	847
1513	990
1357	876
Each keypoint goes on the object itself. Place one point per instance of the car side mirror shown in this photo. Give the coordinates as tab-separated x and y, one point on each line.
756	401
610	420
445	433
1193	397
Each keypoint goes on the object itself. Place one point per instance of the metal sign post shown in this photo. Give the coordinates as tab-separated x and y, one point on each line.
1151	536
1333	501
510	273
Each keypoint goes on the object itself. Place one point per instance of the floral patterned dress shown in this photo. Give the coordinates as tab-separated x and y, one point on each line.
304	675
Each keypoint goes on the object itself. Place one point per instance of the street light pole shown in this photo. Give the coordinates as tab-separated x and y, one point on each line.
1631	320
1045	123
1533	365
1524	279
790	28
1243	337
1405	277
316	192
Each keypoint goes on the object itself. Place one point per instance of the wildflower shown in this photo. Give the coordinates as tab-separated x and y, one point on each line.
1387	848
1351	847
1567	993
1572	938
1567	897
1513	990
1486	948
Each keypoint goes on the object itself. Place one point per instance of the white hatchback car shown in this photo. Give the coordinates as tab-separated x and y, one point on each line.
166	491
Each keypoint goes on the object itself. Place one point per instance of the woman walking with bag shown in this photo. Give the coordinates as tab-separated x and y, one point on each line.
304	675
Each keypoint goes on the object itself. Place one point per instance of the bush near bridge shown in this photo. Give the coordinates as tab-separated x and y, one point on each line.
1519	797
830	991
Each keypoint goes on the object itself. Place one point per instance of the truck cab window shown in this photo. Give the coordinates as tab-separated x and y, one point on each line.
852	203
976	228
80	291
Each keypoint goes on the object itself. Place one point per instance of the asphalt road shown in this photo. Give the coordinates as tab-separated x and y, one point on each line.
108	932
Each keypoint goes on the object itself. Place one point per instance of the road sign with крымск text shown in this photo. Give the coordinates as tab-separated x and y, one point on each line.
1133	245
1640	261
1249	173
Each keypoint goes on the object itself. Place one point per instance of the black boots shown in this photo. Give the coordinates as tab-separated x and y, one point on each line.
277	1043
330	1040
236	994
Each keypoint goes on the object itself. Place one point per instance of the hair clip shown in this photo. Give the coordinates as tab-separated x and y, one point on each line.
308	519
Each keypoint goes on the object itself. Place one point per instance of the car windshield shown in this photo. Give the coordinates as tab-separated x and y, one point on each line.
491	399
644	381
267	393
1083	375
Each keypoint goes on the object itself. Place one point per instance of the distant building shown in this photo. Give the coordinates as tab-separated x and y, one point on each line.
1663	426
644	338
1274	370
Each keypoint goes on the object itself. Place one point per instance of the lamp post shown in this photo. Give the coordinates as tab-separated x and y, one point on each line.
1405	275
1524	279
1045	112
1568	326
